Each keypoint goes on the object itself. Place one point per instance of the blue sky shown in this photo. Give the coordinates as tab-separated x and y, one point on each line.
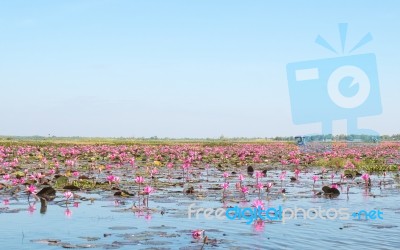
178	68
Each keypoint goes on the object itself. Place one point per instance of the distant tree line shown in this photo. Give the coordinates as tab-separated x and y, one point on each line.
329	137
342	137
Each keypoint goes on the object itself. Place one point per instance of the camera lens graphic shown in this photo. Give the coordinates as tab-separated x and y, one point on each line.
359	77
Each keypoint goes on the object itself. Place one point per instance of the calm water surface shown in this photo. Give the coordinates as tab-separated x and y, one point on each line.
106	222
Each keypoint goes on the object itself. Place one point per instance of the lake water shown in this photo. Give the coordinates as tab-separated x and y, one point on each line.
107	222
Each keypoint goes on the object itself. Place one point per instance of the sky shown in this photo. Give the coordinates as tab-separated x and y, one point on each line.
201	68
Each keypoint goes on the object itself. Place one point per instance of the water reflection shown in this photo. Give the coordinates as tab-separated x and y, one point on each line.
103	209
68	212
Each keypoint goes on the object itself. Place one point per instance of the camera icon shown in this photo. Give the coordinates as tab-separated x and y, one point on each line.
334	89
340	88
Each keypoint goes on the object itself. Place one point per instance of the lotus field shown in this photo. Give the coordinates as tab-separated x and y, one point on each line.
139	194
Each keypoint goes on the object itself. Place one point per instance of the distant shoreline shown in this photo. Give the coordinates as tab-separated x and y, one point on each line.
43	141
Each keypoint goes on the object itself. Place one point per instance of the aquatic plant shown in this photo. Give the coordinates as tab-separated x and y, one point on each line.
147	191
224	186
244	190
68	195
139	180
259	187
31	190
282	177
366	179
258	203
315	179
197	234
269	186
296	173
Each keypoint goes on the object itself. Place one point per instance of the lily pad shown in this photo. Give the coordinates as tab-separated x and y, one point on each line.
122	228
250	170
90	238
123	193
47	193
46	241
351	173
61	181
71	187
328	190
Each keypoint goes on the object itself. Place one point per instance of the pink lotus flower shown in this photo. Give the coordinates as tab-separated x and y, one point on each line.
225	175
296	172
296	161
154	171
139	179
282	176
245	190
110	178
334	186
225	185
148	190
6	202
186	165
31	189
117	179
269	185
197	234
241	177
258	204
6	177
75	174
284	162
69	163
349	165
15	182
315	178
170	165
365	177
259	185
68	195
259	174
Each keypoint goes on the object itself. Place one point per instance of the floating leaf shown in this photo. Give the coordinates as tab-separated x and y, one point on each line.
123	193
47	193
71	187
61	182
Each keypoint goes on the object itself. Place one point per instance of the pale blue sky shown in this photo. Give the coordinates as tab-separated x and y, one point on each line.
177	68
